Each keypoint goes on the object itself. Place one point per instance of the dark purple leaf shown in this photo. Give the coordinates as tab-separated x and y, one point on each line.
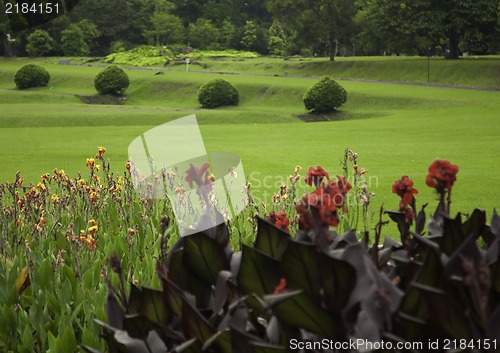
271	240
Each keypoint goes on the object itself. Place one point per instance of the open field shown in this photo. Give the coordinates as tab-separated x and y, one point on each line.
396	129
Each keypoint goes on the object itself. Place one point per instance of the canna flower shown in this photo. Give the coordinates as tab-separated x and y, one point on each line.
280	220
281	287
41	186
54	198
314	176
442	174
100	151
92	230
404	188
200	176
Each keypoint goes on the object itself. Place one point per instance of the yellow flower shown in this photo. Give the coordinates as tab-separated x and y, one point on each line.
41	186
90	162
54	198
92	230
121	181
81	182
118	188
97	167
92	222
101	150
45	176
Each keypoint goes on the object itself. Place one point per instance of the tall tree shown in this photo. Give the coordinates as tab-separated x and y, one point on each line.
430	22
327	20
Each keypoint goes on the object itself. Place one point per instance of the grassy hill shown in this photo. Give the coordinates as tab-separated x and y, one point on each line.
471	71
396	129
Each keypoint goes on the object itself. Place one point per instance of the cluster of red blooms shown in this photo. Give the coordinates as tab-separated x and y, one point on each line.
280	220
442	174
323	203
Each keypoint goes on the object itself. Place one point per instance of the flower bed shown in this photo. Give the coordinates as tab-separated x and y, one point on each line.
292	275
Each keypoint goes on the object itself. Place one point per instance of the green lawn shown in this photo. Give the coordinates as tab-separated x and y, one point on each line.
396	129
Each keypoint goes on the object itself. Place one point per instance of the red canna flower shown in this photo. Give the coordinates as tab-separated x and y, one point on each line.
280	288
194	174
315	176
280	220
404	188
442	174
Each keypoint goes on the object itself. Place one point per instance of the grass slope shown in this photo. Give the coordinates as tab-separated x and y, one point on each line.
396	129
475	72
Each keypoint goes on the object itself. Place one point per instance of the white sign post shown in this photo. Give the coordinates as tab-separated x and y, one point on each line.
187	64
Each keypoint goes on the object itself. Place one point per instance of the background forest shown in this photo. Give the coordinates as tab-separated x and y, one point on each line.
273	27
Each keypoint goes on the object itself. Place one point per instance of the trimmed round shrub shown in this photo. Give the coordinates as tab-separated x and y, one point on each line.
217	93
31	76
111	80
325	96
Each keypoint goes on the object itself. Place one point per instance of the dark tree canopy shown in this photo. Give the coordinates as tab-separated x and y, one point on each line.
320	27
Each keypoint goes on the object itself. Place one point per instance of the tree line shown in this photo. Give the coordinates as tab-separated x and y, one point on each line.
275	27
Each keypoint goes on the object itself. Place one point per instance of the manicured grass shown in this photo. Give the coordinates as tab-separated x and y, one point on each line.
470	71
395	129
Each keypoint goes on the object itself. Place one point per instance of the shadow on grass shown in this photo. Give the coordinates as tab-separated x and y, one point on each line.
338	115
106	99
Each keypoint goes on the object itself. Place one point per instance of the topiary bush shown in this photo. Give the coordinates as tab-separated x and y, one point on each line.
111	80
31	76
325	96
217	93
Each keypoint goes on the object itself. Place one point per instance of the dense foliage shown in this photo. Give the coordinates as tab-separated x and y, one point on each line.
437	285
217	93
323	28
302	275
31	76
111	80
325	96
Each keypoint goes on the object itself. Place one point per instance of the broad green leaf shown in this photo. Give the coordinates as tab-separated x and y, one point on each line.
429	274
138	326
220	342
271	240
300	268
445	313
71	276
194	325
338	279
68	340
45	274
187	281
258	272
475	223
298	310
204	257
150	303
173	294
453	235
27	339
